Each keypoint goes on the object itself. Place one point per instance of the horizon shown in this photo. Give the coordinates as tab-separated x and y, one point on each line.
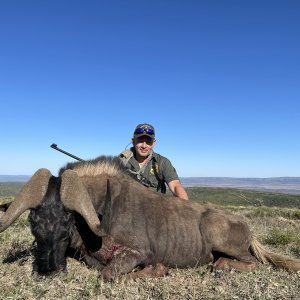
227	177
218	80
286	185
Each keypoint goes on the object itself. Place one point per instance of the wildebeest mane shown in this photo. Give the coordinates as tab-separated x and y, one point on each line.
110	165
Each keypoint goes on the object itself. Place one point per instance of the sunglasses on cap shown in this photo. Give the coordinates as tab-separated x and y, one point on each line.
142	130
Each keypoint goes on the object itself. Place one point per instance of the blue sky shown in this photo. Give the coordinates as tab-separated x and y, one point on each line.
219	80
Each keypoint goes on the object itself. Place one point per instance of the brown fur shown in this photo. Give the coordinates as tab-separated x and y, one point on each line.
145	229
153	228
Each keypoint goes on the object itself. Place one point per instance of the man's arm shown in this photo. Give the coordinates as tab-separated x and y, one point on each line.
177	189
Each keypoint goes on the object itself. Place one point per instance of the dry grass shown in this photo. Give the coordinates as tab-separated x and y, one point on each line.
80	282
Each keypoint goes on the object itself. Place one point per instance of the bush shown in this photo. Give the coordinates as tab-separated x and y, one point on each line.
277	238
297	215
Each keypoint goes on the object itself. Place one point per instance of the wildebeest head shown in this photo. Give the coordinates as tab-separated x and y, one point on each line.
51	201
51	224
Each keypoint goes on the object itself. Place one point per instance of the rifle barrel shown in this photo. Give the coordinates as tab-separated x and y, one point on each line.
54	146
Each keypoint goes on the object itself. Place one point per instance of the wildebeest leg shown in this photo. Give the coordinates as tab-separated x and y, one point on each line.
93	262
82	256
159	270
224	263
237	257
230	236
122	263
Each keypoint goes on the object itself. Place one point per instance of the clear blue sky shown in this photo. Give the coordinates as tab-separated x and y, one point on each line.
219	80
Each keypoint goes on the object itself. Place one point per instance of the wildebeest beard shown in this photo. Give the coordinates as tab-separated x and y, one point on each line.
51	224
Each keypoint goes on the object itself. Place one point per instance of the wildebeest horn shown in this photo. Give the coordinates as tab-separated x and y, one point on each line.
75	196
30	196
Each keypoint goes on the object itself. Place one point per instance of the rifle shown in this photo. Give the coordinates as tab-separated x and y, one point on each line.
141	179
54	146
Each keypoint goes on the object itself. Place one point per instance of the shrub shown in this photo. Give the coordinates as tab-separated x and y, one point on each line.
297	215
277	238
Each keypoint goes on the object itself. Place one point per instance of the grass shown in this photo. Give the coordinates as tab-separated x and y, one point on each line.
10	188
231	196
276	227
277	237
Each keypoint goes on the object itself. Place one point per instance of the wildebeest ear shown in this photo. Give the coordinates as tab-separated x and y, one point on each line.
75	196
30	196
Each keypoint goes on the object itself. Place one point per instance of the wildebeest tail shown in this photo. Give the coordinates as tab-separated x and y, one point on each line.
265	256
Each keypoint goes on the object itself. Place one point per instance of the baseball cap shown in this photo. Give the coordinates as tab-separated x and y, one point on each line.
144	129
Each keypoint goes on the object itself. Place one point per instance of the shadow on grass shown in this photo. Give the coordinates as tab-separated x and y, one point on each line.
20	256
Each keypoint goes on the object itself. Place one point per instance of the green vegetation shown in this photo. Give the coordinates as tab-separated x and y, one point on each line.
236	197
265	212
277	237
220	196
10	188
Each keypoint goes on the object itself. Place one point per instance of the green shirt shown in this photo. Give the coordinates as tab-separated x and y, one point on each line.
164	168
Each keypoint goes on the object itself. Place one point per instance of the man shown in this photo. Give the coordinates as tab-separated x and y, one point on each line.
150	168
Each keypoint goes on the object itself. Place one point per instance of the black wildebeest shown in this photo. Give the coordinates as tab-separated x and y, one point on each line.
116	224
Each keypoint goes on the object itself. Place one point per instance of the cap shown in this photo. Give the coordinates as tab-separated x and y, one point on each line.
144	129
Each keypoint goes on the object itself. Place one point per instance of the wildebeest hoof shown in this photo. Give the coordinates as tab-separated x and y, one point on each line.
160	270
107	276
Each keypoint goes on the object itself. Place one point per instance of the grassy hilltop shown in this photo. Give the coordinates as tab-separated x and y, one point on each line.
240	197
10	188
273	218
220	196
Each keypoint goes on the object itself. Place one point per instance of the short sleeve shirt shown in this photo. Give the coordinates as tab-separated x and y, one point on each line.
164	168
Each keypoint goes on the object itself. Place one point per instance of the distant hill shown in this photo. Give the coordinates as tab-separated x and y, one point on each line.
289	185
14	178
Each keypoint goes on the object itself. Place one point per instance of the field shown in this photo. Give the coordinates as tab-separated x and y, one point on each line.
274	219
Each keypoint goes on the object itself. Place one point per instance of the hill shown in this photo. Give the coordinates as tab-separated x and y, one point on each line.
240	197
14	178
221	196
287	185
290	185
10	188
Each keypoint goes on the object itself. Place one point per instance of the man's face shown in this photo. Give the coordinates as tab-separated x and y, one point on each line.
143	145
